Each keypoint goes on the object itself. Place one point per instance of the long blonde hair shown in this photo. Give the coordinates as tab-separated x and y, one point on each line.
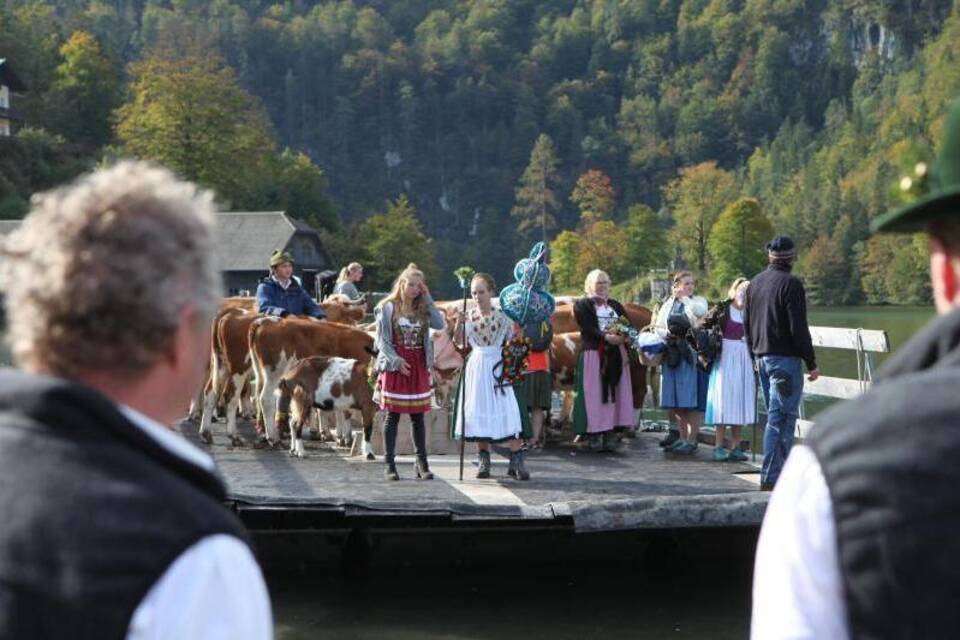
732	291
344	275
419	309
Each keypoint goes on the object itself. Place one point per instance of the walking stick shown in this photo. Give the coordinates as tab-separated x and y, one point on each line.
464	275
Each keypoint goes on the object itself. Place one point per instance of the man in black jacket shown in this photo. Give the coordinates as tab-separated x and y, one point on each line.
778	337
115	525
862	535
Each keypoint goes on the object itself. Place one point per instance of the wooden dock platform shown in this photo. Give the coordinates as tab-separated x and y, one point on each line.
637	488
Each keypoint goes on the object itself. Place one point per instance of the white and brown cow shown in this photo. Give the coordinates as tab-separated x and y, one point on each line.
328	384
230	370
276	344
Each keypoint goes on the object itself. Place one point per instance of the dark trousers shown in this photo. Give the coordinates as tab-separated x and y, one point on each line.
390	435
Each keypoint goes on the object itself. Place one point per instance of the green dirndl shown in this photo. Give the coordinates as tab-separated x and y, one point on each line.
537	390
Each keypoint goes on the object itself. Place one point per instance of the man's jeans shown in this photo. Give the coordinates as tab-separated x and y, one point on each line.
781	380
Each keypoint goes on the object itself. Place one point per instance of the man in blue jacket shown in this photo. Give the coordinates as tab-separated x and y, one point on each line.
281	295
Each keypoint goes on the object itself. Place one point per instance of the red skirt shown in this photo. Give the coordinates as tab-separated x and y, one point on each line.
410	393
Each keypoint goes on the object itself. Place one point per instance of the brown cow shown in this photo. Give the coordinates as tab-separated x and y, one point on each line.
328	384
564	320
338	308
230	369
276	344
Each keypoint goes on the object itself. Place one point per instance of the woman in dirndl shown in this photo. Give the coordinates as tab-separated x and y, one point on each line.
491	411
404	319
732	392
604	402
680	384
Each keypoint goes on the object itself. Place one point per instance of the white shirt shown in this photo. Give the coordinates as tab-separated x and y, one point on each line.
214	589
797	587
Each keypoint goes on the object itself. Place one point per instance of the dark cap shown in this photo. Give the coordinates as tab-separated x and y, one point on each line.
781	247
936	188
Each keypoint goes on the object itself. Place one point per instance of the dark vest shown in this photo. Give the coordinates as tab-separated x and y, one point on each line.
93	511
891	460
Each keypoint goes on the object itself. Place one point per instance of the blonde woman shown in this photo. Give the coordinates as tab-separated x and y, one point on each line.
678	372
347	281
604	402
405	355
732	393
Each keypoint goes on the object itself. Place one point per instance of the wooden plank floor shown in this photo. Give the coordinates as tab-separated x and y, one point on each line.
637	487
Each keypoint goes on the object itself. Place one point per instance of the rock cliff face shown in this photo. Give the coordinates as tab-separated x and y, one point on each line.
867	37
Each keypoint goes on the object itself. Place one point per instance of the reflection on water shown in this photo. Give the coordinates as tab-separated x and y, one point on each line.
529	587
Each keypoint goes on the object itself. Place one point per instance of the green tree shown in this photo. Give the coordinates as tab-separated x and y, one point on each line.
85	92
737	242
564	254
825	272
696	199
536	195
604	246
645	239
186	111
299	187
392	240
594	196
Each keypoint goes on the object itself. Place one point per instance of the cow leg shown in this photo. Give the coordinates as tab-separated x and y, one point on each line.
367	416
231	399
269	381
343	428
326	432
296	440
206	417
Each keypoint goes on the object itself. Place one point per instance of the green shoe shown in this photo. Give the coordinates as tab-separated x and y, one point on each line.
720	454
737	455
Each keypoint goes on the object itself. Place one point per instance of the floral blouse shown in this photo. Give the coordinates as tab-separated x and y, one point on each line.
488	331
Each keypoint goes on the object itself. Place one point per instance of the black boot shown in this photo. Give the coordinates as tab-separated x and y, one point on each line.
390	445
483	468
518	468
672	436
423	470
390	473
420	446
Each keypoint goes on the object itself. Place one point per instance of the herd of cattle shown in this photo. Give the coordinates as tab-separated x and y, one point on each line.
279	369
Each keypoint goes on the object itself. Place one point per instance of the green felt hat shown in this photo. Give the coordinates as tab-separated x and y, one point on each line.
279	256
937	187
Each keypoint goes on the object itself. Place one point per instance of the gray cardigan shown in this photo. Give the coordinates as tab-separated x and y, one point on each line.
348	289
387	358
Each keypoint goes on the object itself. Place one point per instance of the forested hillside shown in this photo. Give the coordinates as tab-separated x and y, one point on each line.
627	128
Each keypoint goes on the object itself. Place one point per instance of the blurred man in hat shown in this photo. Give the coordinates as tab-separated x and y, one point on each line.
778	337
280	294
862	535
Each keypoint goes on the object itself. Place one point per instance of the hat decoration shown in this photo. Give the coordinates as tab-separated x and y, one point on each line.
526	300
932	192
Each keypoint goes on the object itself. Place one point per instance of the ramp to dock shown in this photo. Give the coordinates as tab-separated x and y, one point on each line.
638	487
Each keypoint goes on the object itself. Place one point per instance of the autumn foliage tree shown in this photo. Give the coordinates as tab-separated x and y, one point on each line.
187	112
696	199
594	196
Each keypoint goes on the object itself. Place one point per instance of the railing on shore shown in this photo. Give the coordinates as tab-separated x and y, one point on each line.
864	342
